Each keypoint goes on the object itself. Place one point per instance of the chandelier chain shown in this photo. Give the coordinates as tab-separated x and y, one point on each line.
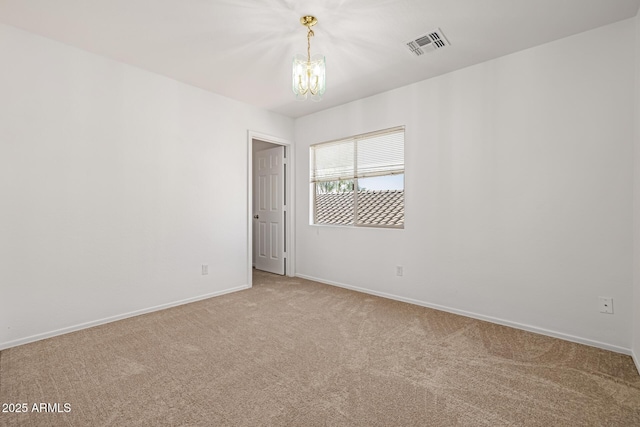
309	35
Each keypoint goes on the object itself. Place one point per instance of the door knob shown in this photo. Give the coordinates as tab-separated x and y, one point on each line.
256	216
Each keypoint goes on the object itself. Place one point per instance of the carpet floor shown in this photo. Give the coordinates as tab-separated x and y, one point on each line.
292	352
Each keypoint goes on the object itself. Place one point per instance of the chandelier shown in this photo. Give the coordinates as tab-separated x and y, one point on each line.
309	72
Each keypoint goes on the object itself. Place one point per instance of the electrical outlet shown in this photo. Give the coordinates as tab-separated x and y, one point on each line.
399	270
205	269
605	304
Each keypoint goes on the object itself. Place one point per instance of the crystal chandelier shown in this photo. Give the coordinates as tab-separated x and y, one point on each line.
309	72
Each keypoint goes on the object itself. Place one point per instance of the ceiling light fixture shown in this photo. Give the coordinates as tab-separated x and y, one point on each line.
308	72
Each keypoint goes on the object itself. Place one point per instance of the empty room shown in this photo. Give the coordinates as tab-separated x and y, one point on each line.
297	213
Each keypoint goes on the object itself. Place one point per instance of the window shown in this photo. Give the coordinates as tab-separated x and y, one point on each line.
359	181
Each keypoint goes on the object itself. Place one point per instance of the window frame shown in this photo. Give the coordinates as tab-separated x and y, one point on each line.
354	177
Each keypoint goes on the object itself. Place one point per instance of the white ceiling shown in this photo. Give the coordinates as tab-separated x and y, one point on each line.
242	49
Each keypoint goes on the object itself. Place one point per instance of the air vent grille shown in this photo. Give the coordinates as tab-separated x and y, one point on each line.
428	42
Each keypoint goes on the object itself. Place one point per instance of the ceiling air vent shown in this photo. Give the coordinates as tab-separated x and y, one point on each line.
428	42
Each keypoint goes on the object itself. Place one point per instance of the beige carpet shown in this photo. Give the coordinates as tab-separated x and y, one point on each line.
295	352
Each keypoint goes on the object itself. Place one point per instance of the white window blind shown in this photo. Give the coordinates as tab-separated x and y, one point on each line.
373	154
332	161
380	155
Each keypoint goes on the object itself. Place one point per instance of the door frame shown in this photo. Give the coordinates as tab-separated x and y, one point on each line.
289	195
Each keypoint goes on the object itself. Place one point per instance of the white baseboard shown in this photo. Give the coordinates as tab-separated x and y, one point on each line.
38	337
635	360
472	315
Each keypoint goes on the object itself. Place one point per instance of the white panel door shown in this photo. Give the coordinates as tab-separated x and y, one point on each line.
269	210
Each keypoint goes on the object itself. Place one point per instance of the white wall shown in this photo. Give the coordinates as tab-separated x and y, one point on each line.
116	185
518	190
636	213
